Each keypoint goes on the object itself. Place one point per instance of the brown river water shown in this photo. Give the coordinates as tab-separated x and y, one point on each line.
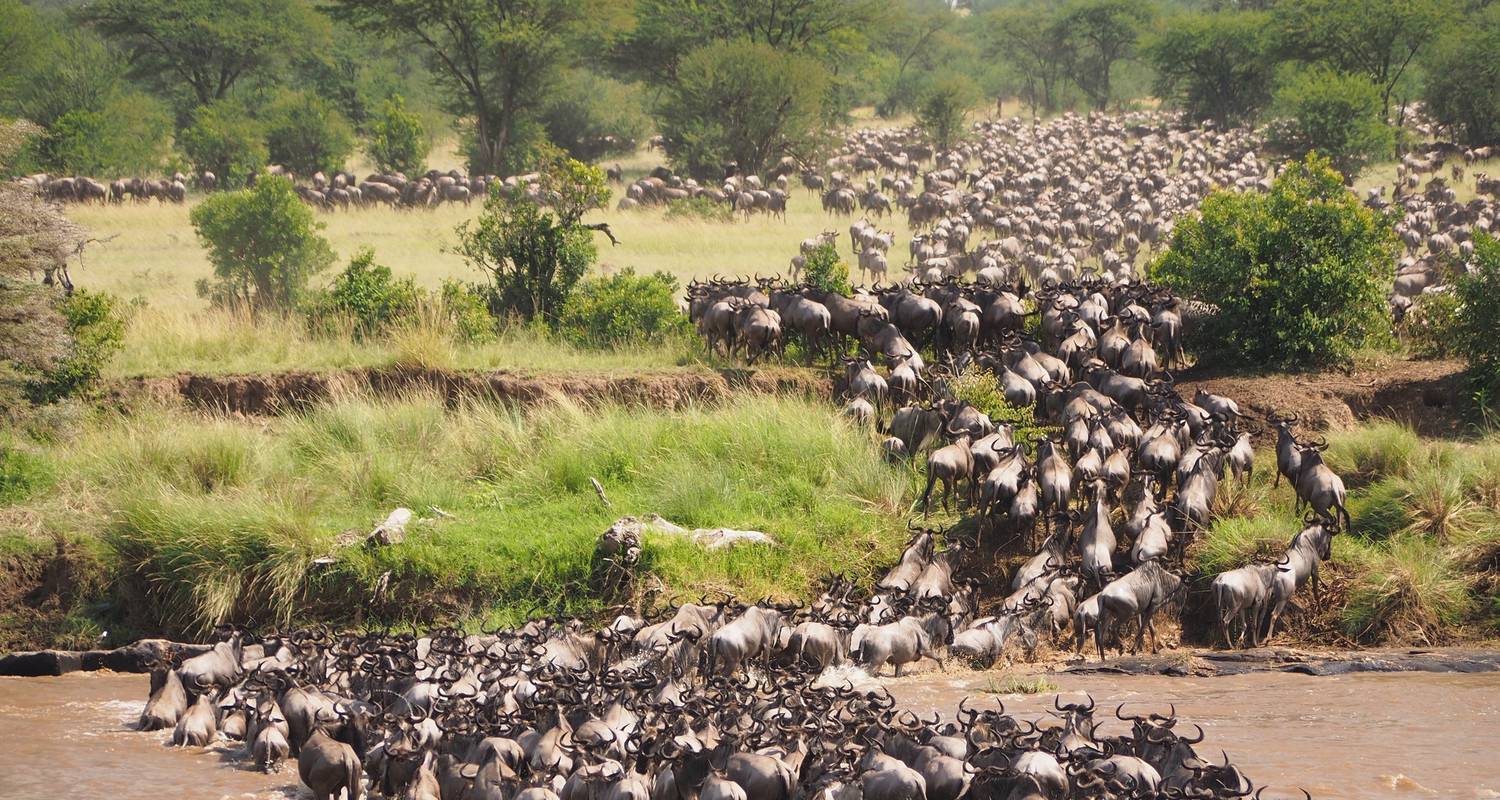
1400	735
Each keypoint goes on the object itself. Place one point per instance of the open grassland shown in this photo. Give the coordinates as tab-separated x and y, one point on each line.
189	520
1422	562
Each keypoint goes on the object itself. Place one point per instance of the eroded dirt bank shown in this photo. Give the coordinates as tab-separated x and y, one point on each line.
1426	394
278	392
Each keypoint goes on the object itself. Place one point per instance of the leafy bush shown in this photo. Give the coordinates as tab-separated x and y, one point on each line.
398	141
263	243
306	134
1299	275
1334	114
943	110
981	388
699	208
534	256
466	308
1478	317
226	141
367	294
624	308
824	271
1429	325
96	329
1462	86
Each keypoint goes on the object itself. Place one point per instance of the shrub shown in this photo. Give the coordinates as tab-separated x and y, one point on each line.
466	309
624	308
699	208
824	271
306	134
943	110
1337	115
1478	315
263	243
398	141
1298	275
981	388
535	256
96	328
1430	324
127	134
366	293
226	141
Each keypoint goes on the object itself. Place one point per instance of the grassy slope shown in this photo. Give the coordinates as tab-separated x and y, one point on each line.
1423	562
203	519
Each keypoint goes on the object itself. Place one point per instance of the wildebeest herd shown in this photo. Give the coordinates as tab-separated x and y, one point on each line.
1109	498
716	701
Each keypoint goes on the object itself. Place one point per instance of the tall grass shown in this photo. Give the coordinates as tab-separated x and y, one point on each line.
218	342
214	519
1422	558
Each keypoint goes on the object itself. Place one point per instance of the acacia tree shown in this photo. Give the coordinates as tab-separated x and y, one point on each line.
742	102
1215	66
1378	39
207	45
494	59
1030	40
1100	34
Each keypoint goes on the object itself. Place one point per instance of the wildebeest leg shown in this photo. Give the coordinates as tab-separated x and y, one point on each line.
1149	622
1099	626
927	495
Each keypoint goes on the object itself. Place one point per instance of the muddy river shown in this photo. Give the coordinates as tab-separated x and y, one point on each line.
1403	735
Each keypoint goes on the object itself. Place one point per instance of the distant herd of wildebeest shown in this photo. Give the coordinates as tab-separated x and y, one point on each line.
1023	266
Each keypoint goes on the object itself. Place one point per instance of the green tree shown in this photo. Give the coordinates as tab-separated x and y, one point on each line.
226	141
623	309
495	60
592	116
1378	39
1101	33
23	42
127	135
1462	90
1217	66
1338	115
1298	275
534	256
264	245
745	103
1033	42
398	140
207	46
667	31
915	34
305	134
1478	315
943	110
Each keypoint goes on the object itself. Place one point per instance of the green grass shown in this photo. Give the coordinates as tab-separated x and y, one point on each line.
212	519
1422	563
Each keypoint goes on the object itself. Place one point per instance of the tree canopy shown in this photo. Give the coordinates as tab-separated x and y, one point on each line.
1217	66
209	46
